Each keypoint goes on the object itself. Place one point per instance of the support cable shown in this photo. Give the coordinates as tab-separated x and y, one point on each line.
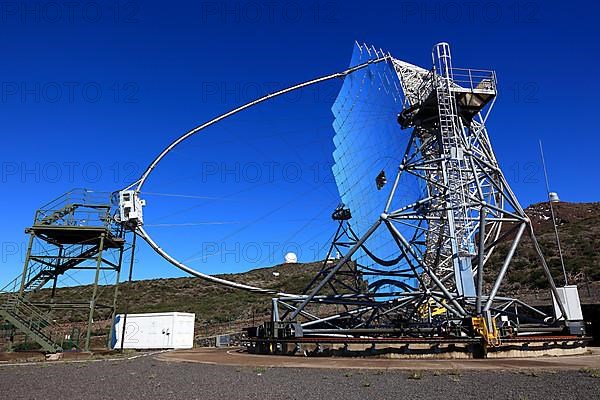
167	150
560	253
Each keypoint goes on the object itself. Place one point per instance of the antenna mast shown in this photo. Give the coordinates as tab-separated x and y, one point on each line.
562	261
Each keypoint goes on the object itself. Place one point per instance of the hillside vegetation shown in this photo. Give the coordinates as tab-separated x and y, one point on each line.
211	302
579	230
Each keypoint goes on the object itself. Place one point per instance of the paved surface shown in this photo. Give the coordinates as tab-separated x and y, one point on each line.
151	378
235	357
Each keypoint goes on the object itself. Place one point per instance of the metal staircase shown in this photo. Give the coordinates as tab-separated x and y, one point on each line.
72	256
70	230
27	318
25	315
59	214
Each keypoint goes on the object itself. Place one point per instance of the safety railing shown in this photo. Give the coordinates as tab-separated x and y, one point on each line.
71	252
26	310
11	287
474	79
78	208
31	319
78	195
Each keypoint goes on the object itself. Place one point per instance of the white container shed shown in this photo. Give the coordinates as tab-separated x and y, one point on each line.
169	330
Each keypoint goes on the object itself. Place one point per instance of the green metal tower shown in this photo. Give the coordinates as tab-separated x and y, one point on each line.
76	231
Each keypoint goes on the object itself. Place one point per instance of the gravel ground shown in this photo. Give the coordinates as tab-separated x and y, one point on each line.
148	378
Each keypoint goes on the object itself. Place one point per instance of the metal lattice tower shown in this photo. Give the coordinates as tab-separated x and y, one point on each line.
74	232
466	209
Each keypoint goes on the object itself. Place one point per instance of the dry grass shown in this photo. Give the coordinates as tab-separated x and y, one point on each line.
591	372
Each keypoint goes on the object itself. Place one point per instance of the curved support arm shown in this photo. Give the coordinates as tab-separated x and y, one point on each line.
140	182
142	233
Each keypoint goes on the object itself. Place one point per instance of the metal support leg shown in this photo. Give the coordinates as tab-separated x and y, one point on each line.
504	268
115	296
481	257
335	269
131	262
94	294
459	309
55	280
275	310
26	266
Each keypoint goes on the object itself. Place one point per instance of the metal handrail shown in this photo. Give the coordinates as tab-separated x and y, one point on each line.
78	195
465	78
79	207
20	306
12	285
28	313
469	78
37	267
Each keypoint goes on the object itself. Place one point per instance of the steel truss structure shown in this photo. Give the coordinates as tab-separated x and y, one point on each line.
432	284
466	210
425	277
75	232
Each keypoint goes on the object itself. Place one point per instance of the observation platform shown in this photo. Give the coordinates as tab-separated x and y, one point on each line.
472	89
64	235
78	217
76	229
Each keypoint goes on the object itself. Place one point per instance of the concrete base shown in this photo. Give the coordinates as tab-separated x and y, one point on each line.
519	348
555	352
391	351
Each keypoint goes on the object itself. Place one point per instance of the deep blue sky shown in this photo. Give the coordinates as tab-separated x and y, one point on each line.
91	91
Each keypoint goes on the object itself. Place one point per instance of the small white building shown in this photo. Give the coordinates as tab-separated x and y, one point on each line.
569	297
169	330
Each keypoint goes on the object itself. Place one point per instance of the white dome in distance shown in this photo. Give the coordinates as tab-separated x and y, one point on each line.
291	258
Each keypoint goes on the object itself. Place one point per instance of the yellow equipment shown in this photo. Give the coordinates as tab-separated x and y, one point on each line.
431	307
491	335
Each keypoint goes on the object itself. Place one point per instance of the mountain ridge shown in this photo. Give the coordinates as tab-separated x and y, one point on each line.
579	231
